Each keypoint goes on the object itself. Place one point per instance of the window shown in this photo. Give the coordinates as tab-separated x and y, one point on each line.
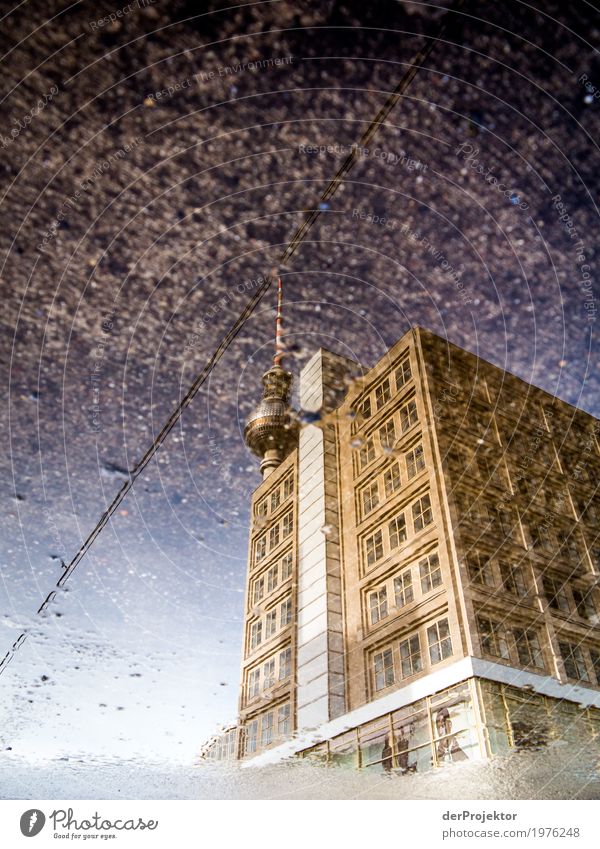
540	537
503	523
272	578
378	606
261	508
286	566
440	643
284	725
384	669
493	638
403	590
383	393
288	487
574	663
528	648
274	536
366	453
260	548
480	570
422	513
374	547
408	416
253	683
430	573
259	590
266	731
270	624
595	658
269	674
285	664
410	656
397	530
584	604
391	479
387	435
255	634
286	612
512	579
554	591
415	461
251	736
364	411
403	374
287	525
370	497
275	499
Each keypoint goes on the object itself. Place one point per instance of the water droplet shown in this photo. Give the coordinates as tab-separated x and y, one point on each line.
327	530
357	442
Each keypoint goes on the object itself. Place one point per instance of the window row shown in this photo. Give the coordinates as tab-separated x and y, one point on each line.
521	645
405	659
561	595
399	590
382	393
390	536
270	502
276	724
274	670
271	539
390	482
275	575
388	433
273	621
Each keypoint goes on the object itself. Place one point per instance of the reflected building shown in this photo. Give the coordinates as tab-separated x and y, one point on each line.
424	564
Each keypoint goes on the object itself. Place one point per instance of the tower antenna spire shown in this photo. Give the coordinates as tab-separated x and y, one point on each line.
279	347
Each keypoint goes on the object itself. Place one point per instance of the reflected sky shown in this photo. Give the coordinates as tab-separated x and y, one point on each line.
114	298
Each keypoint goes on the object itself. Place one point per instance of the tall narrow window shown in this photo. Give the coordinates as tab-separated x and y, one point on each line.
260	548
415	461
286	565
397	530
410	656
383	663
255	634
259	590
403	589
383	393
512	579
554	590
270	624
274	536
403	374
584	604
266	731
408	416
422	513
378	606
288	487
286	612
391	479
366	453
573	660
275	499
284	724
528	648
440	643
251	737
430	573
261	508
595	658
253	683
285	664
493	638
364	411
370	497
269	674
287	524
387	435
272	578
374	547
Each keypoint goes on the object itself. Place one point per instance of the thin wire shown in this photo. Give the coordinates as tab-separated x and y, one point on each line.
297	238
